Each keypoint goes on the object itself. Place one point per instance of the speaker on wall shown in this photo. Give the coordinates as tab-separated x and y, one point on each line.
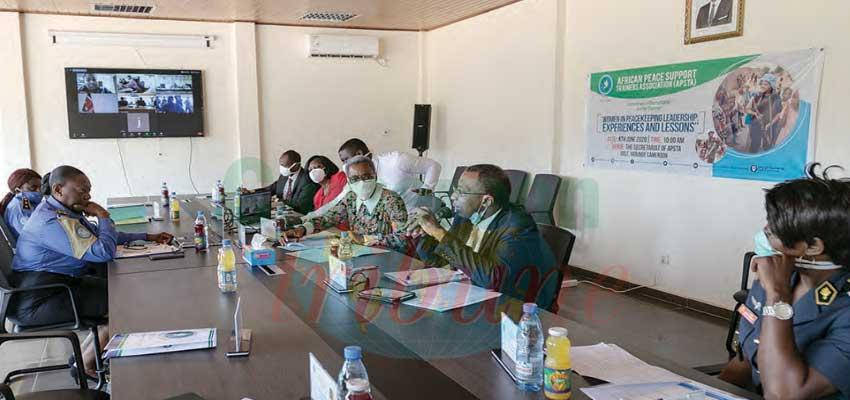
421	127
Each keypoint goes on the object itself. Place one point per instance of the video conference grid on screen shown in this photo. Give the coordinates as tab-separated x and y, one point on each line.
134	103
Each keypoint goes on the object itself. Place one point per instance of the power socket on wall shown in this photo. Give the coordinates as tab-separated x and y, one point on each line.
665	259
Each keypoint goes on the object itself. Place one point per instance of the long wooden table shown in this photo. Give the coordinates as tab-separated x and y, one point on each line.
410	353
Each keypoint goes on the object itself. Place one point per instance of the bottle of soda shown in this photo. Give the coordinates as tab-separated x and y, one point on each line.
557	377
227	282
163	195
201	238
529	350
345	251
174	208
353	380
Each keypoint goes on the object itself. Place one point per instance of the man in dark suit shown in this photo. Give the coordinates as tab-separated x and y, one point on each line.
294	186
493	242
716	12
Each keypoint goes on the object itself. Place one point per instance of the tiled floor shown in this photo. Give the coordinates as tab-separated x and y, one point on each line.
683	336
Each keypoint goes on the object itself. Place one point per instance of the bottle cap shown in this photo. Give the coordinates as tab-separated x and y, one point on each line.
558	331
529	308
174	193
357	385
225	242
353	352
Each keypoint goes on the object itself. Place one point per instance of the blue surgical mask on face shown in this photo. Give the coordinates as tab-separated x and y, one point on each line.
764	249
478	215
33	197
762	245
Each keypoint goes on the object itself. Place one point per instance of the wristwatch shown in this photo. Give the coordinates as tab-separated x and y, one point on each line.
781	311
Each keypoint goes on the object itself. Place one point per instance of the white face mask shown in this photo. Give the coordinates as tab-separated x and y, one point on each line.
317	175
364	189
286	171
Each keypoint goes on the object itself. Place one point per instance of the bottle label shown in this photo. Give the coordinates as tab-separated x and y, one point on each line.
524	370
557	381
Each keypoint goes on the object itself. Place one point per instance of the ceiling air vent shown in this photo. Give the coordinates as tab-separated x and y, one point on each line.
123	8
328	16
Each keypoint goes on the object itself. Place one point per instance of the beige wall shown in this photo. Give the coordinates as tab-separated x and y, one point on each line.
313	105
14	129
625	221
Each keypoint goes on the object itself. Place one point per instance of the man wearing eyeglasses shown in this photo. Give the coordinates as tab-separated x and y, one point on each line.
495	243
368	207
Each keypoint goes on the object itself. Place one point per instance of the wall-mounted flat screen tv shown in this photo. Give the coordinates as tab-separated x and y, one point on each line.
134	103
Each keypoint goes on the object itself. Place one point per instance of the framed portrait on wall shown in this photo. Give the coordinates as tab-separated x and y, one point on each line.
707	20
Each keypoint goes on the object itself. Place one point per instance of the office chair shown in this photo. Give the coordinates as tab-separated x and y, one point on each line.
7	290
83	393
561	242
541	198
447	194
733	348
517	179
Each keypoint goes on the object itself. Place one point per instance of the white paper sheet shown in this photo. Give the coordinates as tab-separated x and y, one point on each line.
322	384
449	296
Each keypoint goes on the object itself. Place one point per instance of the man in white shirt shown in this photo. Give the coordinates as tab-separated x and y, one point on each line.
397	171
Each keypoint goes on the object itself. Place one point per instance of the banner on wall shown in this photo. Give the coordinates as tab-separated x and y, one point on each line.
750	117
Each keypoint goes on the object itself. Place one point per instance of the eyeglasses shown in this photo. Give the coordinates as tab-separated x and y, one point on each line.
462	193
358	178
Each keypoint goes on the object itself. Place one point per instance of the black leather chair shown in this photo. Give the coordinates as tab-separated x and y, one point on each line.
517	179
561	241
7	290
733	347
541	198
83	393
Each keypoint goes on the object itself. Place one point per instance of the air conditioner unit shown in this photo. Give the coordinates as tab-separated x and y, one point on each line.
343	46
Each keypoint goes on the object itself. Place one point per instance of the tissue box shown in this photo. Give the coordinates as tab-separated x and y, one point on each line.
259	257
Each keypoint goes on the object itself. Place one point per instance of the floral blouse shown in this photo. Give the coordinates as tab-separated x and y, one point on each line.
388	215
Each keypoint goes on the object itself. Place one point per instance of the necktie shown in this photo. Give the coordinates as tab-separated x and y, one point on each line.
287	193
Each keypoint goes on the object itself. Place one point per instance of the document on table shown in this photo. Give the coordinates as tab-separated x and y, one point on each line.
656	391
628	373
319	255
148	250
143	343
450	296
427	276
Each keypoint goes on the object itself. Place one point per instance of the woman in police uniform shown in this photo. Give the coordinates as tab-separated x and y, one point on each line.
24	195
795	325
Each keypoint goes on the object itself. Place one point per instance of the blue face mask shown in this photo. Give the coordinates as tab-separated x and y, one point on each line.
764	249
762	245
34	198
478	215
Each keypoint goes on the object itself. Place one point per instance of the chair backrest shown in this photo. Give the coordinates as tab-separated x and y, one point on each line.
456	177
561	242
7	252
517	179
542	196
740	298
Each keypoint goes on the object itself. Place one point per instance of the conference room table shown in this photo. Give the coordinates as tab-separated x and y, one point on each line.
409	353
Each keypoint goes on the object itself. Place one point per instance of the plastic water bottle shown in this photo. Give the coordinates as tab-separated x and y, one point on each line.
557	374
201	235
237	202
344	252
226	268
353	380
174	208
529	350
220	189
163	195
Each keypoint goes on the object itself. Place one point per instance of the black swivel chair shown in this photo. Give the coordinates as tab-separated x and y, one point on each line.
541	198
83	393
517	179
447	194
7	290
733	348
561	242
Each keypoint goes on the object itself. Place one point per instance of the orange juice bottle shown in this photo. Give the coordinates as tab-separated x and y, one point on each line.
557	380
